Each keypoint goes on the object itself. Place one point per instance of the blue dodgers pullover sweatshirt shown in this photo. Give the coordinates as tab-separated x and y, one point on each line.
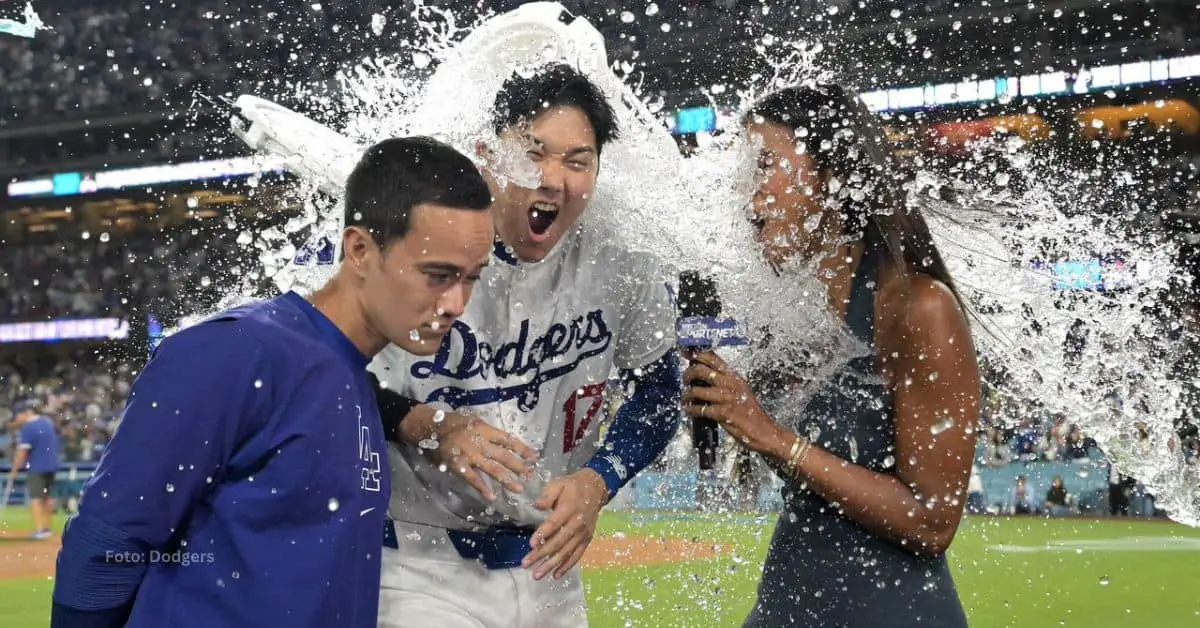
245	485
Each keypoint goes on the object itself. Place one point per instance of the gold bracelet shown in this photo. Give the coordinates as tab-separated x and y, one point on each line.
801	456
799	449
795	447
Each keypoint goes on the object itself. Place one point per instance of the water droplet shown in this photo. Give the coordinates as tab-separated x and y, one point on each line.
652	9
439	416
333	504
666	27
414	335
104	237
1104	581
420	60
941	426
258	383
377	23
833	10
927	261
895	13
221	582
853	449
236	575
170	488
628	17
889	462
428	443
1002	179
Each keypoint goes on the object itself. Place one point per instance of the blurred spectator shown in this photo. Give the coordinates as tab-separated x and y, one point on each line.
1022	497
975	497
83	395
997	451
1057	498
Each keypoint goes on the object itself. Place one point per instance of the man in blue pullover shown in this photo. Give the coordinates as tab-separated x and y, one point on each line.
247	483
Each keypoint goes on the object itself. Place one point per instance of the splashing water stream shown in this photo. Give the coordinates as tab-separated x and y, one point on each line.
689	212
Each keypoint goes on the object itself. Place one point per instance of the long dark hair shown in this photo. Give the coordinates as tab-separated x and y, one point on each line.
847	140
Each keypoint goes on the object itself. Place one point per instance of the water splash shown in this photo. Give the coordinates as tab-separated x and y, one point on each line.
645	184
27	27
1073	351
996	239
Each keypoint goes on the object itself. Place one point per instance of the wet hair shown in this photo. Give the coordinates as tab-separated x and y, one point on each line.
845	139
523	98
396	175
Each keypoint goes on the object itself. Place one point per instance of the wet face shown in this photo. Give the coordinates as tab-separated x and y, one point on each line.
562	143
415	288
787	205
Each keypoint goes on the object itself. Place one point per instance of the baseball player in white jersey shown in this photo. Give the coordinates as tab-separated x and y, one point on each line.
498	479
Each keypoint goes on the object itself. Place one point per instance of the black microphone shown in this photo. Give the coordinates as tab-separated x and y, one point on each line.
701	328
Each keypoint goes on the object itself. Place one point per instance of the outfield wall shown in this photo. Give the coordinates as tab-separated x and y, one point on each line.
1087	480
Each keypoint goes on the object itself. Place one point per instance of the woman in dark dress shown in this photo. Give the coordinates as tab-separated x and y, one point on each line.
877	463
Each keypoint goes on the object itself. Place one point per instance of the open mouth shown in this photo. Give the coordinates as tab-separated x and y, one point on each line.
541	218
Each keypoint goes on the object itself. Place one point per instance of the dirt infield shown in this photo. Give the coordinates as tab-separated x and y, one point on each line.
631	551
23	558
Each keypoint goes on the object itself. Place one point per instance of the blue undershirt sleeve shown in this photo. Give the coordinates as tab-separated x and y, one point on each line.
645	423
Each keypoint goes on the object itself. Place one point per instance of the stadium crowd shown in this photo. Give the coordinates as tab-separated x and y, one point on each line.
86	275
121	55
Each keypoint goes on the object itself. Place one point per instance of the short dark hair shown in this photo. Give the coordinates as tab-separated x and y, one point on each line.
523	98
398	174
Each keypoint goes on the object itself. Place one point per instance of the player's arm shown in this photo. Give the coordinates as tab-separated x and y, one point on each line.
469	446
24	446
648	362
18	461
393	408
645	351
202	393
644	425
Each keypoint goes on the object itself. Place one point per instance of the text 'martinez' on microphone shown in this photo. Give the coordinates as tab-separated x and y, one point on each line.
708	331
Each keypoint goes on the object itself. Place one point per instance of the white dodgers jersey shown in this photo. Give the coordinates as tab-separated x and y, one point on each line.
531	355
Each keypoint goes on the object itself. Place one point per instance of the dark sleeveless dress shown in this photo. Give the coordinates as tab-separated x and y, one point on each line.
823	569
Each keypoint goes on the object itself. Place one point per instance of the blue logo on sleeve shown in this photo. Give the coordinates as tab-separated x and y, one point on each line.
319	252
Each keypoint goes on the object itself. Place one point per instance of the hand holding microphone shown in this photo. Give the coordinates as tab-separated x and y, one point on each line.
713	392
701	329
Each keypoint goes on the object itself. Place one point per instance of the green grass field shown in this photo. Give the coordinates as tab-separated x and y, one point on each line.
1058	572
